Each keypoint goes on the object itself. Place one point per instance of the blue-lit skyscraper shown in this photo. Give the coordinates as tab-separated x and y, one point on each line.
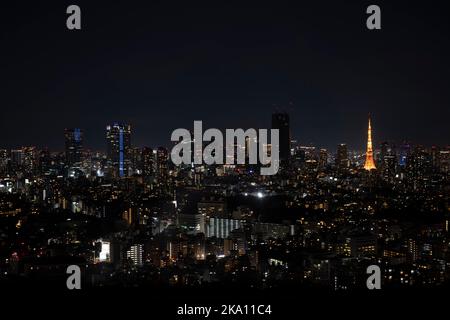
118	149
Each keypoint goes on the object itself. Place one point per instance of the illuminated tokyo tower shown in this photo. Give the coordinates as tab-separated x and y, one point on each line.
370	163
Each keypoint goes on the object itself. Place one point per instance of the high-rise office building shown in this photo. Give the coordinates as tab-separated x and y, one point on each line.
3	161
136	160
384	150
413	250
118	149
444	160
221	227
74	146
280	121
162	161
404	154
136	254
30	161
25	159
148	162
418	166
300	156
44	161
387	161
192	223
323	158
342	161
17	158
363	245
435	157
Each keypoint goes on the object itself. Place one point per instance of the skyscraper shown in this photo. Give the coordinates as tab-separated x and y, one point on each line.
342	161
44	161
387	161
148	162
323	158
135	254
136	160
74	145
24	159
280	121
3	161
118	149
370	163
17	158
444	160
435	154
30	161
162	159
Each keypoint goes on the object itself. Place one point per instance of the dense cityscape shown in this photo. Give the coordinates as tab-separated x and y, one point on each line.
130	218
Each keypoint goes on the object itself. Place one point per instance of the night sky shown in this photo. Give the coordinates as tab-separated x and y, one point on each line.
160	65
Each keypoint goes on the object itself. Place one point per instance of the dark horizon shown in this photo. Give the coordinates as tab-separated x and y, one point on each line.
160	67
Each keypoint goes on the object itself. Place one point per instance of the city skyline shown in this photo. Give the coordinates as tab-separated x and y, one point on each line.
135	219
87	146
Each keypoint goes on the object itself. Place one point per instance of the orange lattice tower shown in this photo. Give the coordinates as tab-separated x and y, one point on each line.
370	163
